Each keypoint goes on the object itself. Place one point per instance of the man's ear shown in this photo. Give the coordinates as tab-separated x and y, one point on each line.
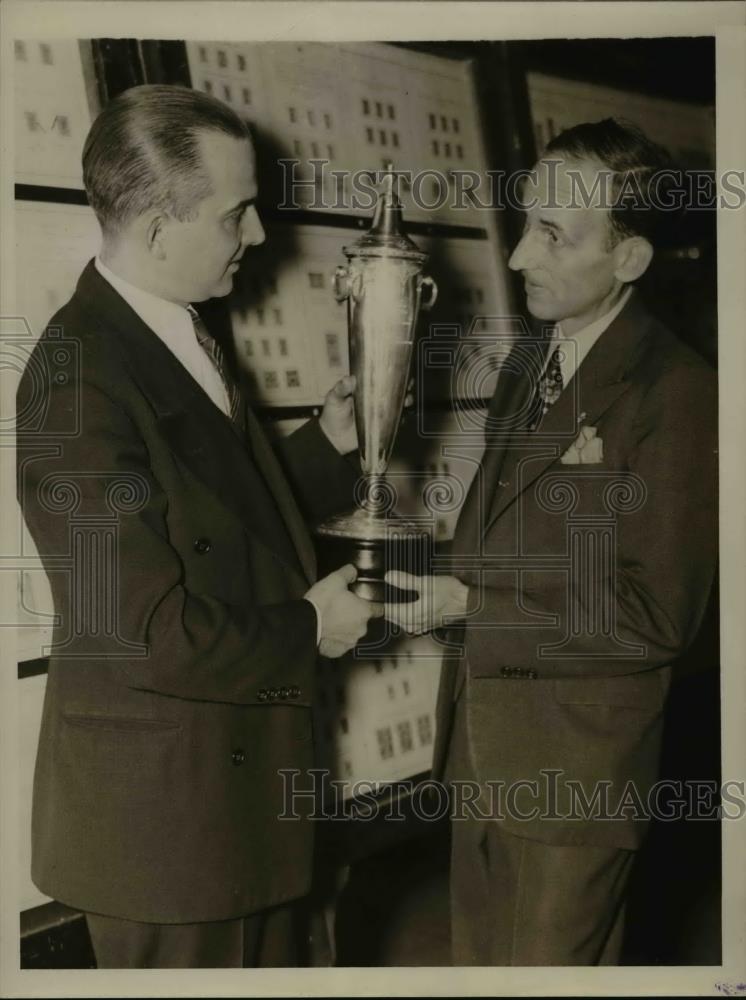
154	235
633	257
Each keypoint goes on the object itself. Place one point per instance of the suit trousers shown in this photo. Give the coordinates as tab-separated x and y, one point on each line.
268	939
516	901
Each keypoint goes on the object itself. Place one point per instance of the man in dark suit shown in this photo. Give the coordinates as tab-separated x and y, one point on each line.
583	560
189	620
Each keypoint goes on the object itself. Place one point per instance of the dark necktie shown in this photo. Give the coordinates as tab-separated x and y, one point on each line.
215	353
548	389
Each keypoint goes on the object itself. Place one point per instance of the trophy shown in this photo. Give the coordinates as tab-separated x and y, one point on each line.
383	285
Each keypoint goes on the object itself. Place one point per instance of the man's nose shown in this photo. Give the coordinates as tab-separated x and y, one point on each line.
252	230
523	256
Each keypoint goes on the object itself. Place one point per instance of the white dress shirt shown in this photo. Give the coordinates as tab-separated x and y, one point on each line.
173	326
580	343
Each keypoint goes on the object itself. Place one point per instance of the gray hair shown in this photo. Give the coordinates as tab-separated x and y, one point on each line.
624	149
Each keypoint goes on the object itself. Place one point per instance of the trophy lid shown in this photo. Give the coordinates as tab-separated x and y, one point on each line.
385	237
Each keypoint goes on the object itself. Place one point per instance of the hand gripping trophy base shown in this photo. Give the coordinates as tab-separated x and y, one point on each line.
375	542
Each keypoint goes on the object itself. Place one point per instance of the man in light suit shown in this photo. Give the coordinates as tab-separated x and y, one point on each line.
182	675
583	559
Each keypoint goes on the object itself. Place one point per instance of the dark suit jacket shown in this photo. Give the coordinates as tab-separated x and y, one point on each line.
586	580
183	672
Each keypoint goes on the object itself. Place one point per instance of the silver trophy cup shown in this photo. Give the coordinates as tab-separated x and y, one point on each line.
383	285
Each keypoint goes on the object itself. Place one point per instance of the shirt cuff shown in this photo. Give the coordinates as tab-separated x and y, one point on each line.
318	618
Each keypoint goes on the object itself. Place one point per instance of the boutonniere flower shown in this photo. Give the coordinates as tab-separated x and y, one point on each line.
550	389
587	449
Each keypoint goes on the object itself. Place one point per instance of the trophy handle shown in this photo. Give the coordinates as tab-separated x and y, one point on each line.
433	297
341	283
357	289
345	286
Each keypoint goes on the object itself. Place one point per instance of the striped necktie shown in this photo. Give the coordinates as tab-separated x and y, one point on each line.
215	353
548	389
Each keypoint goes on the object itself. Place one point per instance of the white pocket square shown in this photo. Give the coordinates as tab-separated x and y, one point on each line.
587	449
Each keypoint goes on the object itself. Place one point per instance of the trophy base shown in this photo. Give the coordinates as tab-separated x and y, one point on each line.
376	544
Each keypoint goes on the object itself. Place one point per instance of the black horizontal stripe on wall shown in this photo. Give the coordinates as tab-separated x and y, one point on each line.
33	668
50	195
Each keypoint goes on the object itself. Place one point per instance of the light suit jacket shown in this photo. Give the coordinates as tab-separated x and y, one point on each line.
586	580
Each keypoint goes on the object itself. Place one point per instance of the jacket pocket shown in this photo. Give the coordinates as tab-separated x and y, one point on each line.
119	723
642	690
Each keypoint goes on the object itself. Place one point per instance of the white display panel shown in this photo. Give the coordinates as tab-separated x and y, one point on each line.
375	717
290	334
356	106
53	99
53	245
687	131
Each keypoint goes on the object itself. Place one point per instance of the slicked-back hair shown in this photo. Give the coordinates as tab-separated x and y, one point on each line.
641	173
142	153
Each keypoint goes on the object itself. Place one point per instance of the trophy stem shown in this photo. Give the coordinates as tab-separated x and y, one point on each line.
377	495
369	558
374	542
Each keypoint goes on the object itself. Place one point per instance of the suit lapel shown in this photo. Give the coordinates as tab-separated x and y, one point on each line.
508	409
249	486
597	384
277	484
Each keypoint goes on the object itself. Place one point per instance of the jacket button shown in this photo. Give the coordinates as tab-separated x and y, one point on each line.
238	757
262	694
202	545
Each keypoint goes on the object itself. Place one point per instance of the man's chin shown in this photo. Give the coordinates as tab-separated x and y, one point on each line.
224	287
539	309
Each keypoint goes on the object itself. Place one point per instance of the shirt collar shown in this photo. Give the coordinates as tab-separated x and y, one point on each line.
593	331
584	339
159	314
